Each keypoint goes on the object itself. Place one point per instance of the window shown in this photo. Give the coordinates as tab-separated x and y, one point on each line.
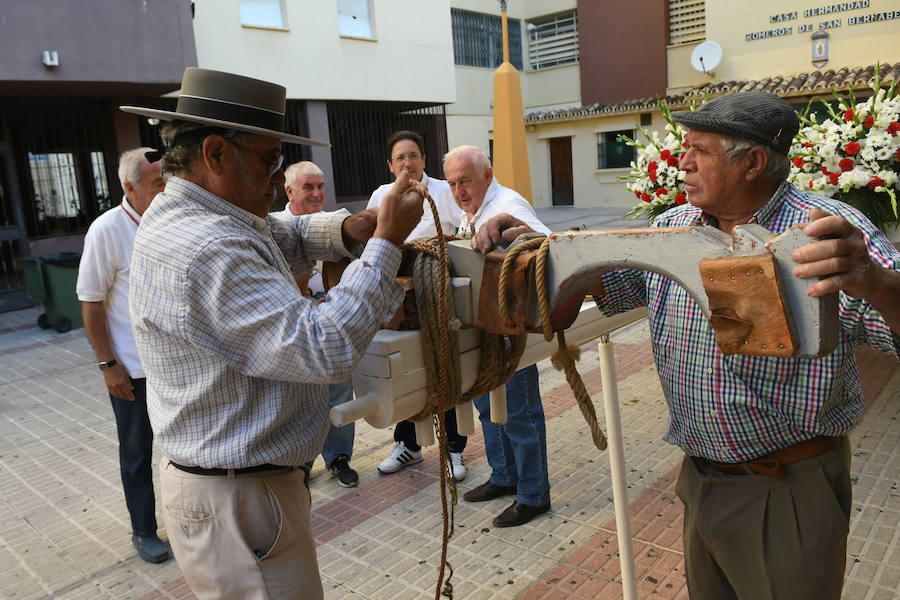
612	153
478	39
687	21
553	41
354	19
56	190
262	13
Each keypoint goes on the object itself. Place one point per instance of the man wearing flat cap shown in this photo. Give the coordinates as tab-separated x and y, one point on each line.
237	376
765	479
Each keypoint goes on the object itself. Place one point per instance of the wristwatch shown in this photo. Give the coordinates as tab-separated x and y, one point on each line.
107	364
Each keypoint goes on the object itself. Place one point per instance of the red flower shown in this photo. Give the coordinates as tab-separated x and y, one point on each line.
680	198
685	144
798	162
665	154
824	170
893	127
645	197
875	182
847	164
868	122
672	161
637	194
807	144
660	192
833	178
848	115
852	148
651	169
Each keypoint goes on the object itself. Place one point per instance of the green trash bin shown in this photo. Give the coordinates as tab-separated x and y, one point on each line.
50	280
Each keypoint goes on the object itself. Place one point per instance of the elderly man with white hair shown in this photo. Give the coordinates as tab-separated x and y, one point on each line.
102	288
516	451
304	184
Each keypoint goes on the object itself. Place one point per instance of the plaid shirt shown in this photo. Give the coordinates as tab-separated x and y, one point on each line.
736	408
236	359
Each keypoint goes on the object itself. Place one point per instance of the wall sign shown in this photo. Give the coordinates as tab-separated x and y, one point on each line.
820	24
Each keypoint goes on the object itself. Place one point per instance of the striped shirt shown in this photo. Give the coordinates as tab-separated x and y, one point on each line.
236	359
736	408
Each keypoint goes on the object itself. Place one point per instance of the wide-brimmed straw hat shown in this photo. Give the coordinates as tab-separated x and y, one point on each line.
759	116
229	101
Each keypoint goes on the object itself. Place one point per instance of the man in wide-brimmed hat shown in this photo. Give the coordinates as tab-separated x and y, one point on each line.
765	481
236	358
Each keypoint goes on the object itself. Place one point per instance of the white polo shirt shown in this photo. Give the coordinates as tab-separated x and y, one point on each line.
103	276
497	200
449	212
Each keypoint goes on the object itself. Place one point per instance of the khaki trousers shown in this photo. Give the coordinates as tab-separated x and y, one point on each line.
246	537
753	537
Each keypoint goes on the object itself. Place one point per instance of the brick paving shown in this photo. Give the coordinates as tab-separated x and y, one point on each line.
64	530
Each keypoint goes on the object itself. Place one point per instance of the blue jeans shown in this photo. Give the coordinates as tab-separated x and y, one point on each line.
517	451
340	439
135	457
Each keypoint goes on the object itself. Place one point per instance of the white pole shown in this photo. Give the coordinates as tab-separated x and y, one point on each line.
617	464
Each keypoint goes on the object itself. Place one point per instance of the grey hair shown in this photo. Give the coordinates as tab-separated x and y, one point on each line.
478	157
177	160
300	169
130	165
778	166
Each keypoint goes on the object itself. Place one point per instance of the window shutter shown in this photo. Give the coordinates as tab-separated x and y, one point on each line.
262	13
354	19
687	21
553	41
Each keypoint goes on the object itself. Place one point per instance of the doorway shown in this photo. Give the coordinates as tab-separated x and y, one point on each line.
562	189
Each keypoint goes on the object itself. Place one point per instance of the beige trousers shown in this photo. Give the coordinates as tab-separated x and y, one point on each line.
246	537
752	537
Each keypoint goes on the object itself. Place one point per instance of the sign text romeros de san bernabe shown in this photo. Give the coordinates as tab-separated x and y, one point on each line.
827	23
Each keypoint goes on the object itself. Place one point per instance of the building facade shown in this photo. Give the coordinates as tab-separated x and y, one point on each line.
798	50
66	68
355	71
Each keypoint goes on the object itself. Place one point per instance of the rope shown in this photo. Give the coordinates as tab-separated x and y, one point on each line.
500	355
565	357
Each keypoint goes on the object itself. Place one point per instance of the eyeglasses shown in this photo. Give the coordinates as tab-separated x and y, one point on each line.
274	166
414	156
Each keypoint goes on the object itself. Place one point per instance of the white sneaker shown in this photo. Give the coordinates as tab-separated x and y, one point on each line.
457	467
400	457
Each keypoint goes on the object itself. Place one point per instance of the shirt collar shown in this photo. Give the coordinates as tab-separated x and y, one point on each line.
764	216
213	203
128	208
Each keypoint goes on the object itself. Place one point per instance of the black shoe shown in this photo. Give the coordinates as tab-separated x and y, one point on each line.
150	548
519	514
488	491
340	468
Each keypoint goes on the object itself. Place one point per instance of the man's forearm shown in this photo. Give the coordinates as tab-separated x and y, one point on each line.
95	326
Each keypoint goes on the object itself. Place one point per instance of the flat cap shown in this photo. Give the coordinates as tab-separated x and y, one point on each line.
759	116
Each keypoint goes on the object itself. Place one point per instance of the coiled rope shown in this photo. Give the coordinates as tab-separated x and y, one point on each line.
500	355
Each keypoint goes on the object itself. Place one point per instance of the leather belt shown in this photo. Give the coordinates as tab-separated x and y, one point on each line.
233	472
771	464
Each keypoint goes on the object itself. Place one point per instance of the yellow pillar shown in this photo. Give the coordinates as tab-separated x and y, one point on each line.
510	149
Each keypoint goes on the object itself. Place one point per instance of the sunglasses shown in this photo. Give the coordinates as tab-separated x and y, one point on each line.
274	166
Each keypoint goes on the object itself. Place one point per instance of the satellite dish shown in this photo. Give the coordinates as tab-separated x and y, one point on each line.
706	57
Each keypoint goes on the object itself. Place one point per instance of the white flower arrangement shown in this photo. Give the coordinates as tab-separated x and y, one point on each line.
854	155
655	178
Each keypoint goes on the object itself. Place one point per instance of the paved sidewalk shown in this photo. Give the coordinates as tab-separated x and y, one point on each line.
64	530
